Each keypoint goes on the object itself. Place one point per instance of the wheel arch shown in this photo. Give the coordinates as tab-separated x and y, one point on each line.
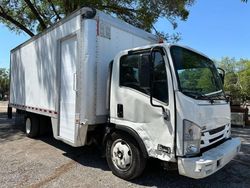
129	131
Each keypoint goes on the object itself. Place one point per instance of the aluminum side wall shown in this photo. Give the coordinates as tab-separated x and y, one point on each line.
35	66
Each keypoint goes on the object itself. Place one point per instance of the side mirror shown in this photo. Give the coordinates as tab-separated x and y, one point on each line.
144	71
222	74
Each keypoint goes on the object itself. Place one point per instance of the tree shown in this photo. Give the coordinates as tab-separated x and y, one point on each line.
4	82
34	16
237	77
244	78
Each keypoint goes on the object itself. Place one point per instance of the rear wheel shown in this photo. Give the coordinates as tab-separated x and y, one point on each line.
124	157
32	126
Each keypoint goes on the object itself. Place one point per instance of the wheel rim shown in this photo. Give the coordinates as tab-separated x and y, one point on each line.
28	125
121	155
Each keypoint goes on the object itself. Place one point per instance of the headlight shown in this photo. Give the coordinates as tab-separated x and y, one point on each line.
191	138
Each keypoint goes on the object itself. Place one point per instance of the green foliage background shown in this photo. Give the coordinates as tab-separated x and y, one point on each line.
237	77
4	82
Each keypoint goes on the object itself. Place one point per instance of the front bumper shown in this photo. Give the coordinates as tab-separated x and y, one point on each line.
210	161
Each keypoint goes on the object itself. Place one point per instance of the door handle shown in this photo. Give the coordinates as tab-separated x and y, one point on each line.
120	110
166	114
75	82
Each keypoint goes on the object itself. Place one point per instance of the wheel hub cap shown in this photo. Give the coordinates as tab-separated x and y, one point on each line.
121	155
28	125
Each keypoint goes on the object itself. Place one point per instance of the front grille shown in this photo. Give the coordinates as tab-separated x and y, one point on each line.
216	138
213	131
214	135
204	149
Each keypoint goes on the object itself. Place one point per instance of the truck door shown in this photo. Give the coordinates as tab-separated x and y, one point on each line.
67	99
130	101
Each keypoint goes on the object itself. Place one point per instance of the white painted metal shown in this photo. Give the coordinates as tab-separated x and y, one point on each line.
141	116
210	161
97	52
106	51
88	74
206	115
201	112
148	122
207	137
68	87
34	68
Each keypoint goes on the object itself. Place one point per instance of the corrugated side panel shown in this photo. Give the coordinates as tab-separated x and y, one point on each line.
34	68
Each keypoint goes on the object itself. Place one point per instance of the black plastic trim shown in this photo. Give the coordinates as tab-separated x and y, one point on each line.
160	49
109	84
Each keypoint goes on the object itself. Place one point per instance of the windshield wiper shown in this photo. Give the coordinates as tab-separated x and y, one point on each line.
213	93
194	94
204	96
217	95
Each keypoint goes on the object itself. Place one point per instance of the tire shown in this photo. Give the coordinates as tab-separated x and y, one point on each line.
124	157
32	126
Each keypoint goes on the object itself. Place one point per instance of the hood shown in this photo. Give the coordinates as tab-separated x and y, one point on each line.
202	112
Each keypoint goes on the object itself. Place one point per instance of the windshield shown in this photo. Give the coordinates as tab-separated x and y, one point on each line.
196	74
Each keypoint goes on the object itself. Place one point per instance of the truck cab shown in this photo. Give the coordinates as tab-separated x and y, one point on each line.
167	102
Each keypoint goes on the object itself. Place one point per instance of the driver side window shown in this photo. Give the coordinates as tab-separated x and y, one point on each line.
160	84
129	75
129	72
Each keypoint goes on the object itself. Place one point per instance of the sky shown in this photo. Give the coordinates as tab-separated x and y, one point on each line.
217	28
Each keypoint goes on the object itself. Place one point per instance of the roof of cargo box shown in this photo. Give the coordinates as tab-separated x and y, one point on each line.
91	13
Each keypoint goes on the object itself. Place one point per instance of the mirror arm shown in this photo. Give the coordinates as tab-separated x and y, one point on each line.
223	71
222	75
154	105
165	114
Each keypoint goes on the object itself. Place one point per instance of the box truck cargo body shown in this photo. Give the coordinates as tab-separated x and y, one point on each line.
95	77
63	72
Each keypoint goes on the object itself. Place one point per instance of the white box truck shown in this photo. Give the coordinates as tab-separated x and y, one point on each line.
95	77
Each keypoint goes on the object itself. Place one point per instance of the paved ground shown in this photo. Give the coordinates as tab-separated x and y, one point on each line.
46	162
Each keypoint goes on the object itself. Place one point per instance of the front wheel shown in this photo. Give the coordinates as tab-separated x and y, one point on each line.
124	157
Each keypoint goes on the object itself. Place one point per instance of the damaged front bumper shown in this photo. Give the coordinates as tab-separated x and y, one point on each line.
210	161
